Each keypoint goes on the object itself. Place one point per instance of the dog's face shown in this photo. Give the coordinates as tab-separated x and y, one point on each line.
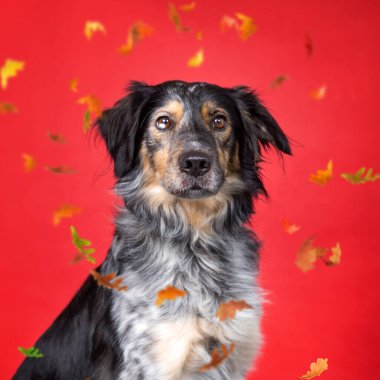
192	136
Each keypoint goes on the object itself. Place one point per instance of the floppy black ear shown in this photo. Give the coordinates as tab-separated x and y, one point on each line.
120	127
258	121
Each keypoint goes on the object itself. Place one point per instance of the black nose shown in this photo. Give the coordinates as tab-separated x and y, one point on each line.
195	163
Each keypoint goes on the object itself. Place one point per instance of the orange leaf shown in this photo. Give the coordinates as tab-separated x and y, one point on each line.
316	369
105	280
196	60
137	32
319	93
73	85
65	211
7	108
308	254
216	358
93	26
336	254
229	309
29	162
169	293
322	176
199	36
93	104
63	169
247	26
290	228
188	7
57	138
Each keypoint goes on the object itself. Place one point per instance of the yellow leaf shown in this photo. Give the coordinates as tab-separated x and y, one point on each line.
7	108
10	69
196	60
188	7
137	32
322	176
247	26
361	176
73	85
93	26
308	254
169	293
93	104
334	259
65	211
29	162
316	369
289	227
319	93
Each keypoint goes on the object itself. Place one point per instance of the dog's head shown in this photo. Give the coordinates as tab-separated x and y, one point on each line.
192	138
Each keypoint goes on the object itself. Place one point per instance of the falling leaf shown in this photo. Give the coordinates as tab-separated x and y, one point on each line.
31	352
93	26
7	108
247	26
229	309
309	45
64	211
29	162
289	227
361	176
322	176
188	7
105	280
93	104
169	293
196	60
10	69
308	254
137	32
73	85
316	369
62	169
228	22
199	36
334	259
216	358
87	121
57	138
81	244
175	18
278	81
319	93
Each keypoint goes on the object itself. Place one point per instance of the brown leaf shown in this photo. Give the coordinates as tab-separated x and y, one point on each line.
169	293
57	138
278	81
309	45
137	32
308	254
218	358
175	18
7	108
105	281
62	169
229	309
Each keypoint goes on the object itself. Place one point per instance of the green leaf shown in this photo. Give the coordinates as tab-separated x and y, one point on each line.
31	352
80	245
361	176
87	121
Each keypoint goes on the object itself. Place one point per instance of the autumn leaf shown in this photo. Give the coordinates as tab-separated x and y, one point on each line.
31	352
57	138
29	162
188	7
10	69
289	227
199	36
334	259
319	93
308	254
309	45
73	85
87	121
81	244
196	60
62	169
247	26
316	369
169	293
218	358
229	309
175	18
7	108
228	22
278	81
93	26
93	104
322	176
137	32
361	176
65	211
105	280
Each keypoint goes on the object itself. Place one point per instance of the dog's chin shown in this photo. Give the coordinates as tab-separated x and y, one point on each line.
194	192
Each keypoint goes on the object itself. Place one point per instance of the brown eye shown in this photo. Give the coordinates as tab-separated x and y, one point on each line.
163	123
219	122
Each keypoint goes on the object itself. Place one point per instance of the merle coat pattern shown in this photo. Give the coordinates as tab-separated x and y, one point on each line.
187	163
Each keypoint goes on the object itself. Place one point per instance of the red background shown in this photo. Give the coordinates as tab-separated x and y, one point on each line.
330	312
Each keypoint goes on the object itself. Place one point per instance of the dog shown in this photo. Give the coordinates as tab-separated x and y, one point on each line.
187	163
